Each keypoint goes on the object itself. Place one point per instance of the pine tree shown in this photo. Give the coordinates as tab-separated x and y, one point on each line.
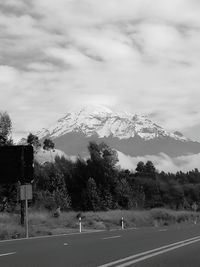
48	144
92	199
149	167
140	167
34	141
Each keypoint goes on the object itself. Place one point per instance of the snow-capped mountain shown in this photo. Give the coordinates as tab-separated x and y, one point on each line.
131	134
104	122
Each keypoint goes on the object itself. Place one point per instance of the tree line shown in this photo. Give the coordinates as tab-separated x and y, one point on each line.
98	183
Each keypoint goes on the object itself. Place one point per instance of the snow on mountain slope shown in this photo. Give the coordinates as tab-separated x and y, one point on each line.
103	122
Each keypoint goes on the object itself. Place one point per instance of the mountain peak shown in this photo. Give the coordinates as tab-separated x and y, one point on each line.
91	120
90	109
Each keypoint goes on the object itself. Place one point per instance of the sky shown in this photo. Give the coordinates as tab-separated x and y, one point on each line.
138	55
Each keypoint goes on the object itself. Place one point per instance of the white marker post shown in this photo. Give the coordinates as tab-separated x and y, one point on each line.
122	223
80	226
195	207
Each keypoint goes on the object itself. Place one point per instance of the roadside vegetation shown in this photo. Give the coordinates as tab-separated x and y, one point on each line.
44	223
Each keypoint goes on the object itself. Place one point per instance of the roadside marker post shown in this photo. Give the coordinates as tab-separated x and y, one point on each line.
195	207
80	226
122	223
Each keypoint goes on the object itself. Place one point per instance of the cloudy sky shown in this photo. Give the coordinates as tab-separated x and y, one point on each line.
138	55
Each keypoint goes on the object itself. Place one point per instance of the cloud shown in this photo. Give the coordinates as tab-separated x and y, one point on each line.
133	55
162	162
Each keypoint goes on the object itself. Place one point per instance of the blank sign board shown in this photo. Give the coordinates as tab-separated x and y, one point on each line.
26	192
16	164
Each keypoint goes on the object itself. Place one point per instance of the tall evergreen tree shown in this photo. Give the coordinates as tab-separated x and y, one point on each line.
48	144
34	141
140	167
92	198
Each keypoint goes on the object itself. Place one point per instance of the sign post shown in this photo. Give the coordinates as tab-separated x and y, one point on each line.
26	210
22	176
26	194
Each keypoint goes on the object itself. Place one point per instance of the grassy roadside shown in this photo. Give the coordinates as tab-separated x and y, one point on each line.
43	223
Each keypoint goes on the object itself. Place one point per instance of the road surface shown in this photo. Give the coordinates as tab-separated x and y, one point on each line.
175	246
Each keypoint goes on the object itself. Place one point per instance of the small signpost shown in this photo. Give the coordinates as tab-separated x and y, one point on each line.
26	194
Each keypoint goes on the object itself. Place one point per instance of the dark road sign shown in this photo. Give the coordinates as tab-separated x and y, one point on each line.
16	164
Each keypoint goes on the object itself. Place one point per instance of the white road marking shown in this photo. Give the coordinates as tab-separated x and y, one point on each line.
119	229
58	235
50	236
163	230
157	253
7	254
151	252
65	244
111	237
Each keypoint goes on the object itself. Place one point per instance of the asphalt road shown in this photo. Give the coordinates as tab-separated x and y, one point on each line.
153	247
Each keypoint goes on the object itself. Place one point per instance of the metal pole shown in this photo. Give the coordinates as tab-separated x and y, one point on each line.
80	226
22	212
26	207
22	177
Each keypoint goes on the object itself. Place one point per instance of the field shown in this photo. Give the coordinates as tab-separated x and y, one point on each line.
44	223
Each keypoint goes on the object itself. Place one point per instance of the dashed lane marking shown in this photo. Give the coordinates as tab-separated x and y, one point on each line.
7	254
111	237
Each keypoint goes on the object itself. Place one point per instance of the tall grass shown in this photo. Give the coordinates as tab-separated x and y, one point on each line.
44	223
9	226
